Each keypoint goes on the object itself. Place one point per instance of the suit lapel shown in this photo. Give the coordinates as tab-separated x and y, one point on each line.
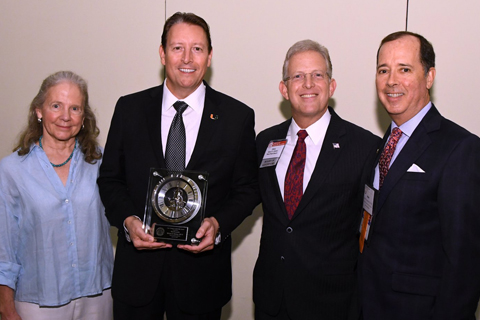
211	119
415	146
153	112
326	159
273	185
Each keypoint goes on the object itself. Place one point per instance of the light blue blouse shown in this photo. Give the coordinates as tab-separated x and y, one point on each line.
54	239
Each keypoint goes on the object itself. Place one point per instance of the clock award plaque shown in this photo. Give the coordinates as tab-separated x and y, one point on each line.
175	205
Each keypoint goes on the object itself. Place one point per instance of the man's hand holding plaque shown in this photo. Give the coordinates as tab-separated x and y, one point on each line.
207	233
140	239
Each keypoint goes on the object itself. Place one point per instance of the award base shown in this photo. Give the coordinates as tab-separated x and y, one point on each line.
169	233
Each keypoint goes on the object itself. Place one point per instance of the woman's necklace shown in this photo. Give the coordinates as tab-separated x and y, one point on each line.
66	161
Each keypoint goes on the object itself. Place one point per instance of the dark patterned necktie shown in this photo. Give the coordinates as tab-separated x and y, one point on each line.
387	154
176	142
294	178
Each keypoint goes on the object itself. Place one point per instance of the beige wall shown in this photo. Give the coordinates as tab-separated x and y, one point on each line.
114	45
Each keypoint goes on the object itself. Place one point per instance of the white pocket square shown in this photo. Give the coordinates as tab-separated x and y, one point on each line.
415	168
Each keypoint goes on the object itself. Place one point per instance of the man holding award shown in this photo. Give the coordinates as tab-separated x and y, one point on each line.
167	147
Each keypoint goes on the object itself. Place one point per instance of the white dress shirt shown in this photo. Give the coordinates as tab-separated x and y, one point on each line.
192	116
314	141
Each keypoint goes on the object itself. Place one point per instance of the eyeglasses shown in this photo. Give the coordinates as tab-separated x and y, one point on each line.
300	77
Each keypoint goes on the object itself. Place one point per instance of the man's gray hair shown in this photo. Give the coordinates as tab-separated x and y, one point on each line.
307	45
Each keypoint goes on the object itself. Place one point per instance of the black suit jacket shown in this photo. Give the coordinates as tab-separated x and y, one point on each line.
422	258
225	148
310	260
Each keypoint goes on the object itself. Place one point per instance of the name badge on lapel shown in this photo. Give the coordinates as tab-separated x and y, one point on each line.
273	153
368	203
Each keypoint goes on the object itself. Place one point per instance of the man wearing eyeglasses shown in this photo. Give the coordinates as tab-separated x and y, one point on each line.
312	180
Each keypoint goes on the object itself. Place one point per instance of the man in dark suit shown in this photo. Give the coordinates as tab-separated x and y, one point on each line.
309	244
185	281
421	258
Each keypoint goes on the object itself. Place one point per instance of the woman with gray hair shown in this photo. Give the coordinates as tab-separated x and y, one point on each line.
56	257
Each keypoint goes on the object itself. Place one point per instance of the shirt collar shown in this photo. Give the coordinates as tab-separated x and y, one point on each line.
316	131
410	126
195	100
33	146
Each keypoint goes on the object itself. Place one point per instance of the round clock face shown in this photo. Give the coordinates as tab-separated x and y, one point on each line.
176	199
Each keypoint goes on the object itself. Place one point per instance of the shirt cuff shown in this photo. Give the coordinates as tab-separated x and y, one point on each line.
9	274
218	238
127	234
